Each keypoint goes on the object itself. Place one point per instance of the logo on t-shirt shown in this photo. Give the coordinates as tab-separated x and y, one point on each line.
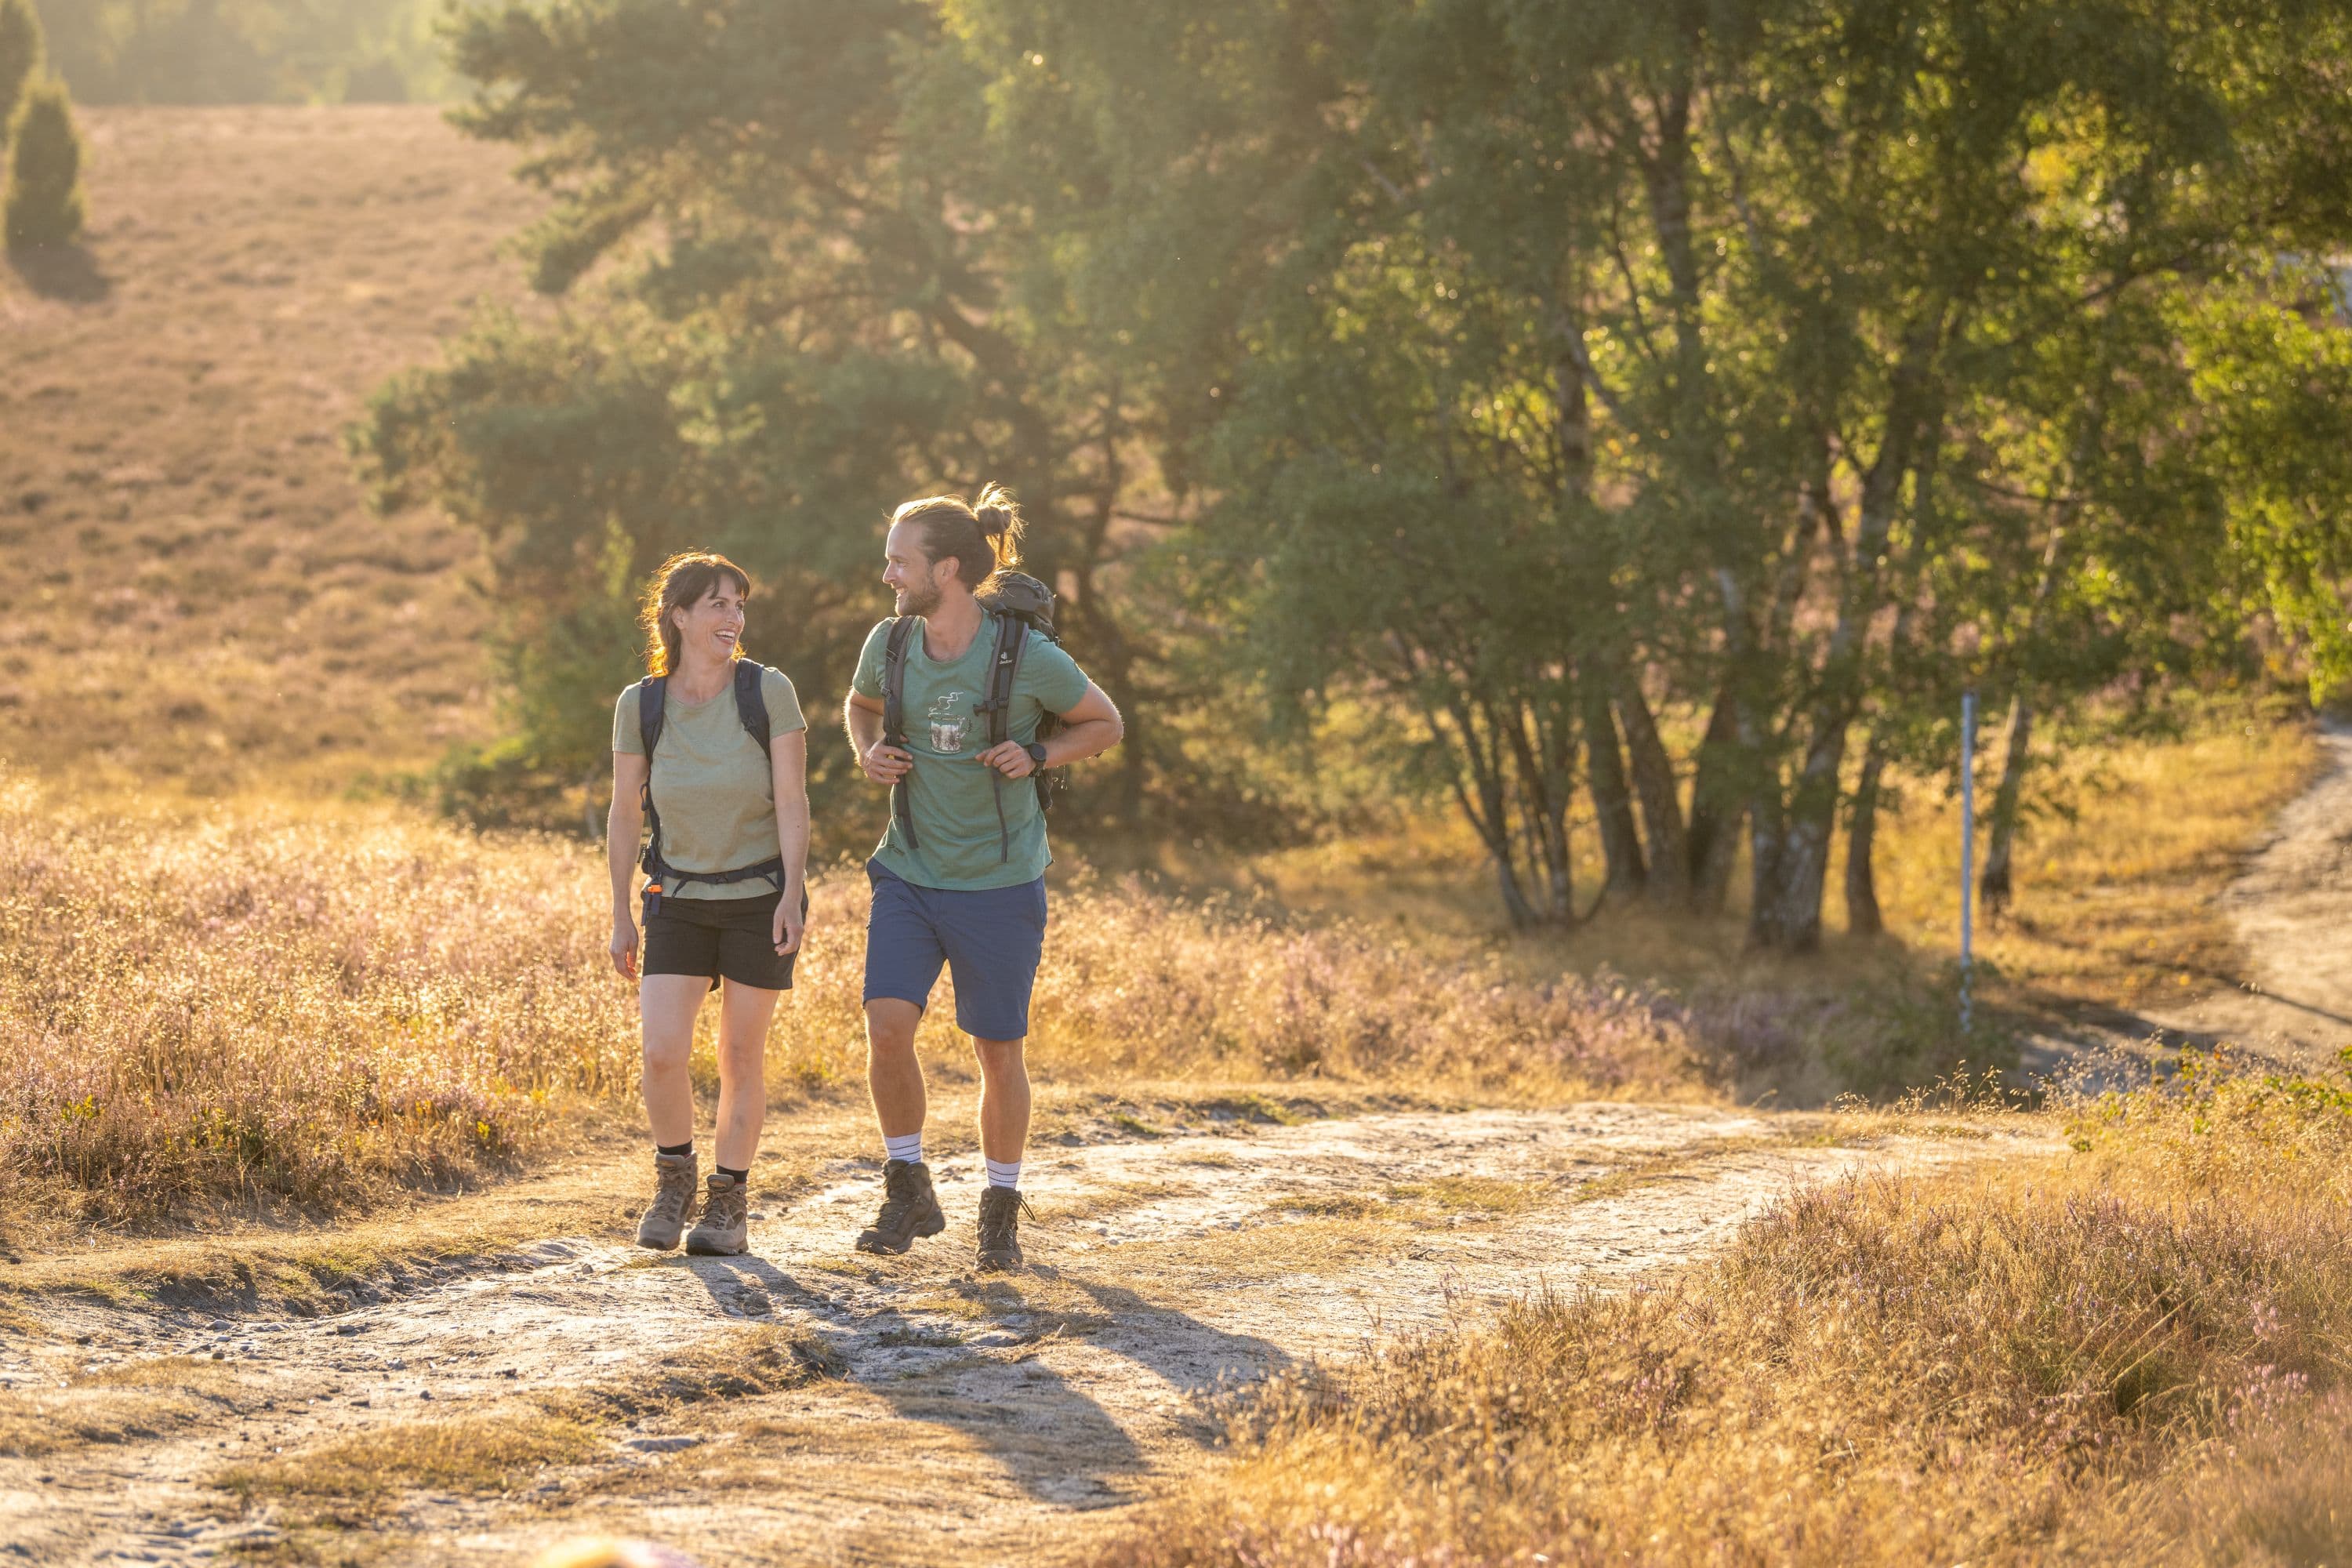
949	727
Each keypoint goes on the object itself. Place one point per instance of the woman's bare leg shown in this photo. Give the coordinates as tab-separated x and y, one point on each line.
743	1015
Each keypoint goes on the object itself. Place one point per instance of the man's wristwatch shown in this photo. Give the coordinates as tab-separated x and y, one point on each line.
1036	752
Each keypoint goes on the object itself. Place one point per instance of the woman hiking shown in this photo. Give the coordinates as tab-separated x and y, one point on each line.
713	746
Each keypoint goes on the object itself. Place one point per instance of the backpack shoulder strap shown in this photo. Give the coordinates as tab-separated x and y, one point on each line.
894	680
651	707
1003	668
750	702
894	718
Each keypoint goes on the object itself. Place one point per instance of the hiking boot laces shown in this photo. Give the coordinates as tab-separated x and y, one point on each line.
901	1193
999	1218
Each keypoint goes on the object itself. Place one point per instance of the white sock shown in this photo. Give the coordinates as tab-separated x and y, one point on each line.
1003	1172
909	1148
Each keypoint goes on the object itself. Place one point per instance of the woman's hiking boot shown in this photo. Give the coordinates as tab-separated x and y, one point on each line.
673	1202
909	1209
1000	1209
724	1228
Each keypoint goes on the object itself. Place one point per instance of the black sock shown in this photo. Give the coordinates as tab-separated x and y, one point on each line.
742	1175
685	1148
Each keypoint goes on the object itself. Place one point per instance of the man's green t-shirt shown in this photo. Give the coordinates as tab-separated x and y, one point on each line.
954	799
713	787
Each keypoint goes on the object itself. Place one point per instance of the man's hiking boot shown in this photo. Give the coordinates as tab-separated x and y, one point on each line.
909	1209
722	1233
1000	1209
673	1202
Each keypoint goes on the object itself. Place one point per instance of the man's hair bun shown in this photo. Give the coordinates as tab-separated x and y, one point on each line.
993	519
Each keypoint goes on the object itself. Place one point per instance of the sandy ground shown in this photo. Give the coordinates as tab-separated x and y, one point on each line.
908	1410
2292	910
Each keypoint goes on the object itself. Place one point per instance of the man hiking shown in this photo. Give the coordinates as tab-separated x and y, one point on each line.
959	701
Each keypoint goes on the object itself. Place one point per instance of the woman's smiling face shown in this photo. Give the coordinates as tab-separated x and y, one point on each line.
713	623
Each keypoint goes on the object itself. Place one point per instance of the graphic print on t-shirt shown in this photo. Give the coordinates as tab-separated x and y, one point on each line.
948	725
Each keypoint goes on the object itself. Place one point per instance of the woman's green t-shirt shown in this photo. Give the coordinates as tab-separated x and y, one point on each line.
712	785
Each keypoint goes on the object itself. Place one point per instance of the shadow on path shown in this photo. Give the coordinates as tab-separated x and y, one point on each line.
983	1381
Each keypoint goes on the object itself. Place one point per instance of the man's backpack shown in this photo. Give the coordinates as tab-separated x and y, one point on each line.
1021	604
751	706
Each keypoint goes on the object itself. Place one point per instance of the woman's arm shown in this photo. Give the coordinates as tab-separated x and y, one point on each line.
622	825
788	755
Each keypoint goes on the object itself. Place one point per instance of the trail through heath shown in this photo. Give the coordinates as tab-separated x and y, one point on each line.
807	1404
2291	910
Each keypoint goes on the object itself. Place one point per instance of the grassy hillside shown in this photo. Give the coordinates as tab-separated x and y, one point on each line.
197	593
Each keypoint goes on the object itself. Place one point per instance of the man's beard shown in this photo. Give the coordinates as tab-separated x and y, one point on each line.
919	601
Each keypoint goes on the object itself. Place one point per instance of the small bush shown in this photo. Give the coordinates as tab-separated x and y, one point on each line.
45	200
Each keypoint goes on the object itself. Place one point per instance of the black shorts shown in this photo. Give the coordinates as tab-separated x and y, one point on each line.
729	937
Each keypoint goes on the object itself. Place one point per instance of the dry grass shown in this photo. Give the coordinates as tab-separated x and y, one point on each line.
261	1005
199	595
114	1404
366	1475
2115	876
2136	1354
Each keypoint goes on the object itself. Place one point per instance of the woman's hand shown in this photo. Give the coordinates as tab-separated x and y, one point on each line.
886	764
1009	758
790	922
625	947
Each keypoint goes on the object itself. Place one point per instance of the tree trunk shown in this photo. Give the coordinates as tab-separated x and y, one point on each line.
1862	912
1669	860
1993	885
1716	809
1612	803
1792	861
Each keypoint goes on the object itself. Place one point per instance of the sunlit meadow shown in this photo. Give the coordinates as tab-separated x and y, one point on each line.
259	1004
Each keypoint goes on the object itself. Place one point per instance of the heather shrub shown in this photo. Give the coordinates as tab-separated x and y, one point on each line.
260	1004
2133	1352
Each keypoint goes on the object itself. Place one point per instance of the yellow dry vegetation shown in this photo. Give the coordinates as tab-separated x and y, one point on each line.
2133	1353
257	1004
2117	866
199	595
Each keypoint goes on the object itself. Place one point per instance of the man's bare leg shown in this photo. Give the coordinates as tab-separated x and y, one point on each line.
894	1076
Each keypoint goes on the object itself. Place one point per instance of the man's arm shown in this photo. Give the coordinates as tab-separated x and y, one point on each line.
862	715
1089	728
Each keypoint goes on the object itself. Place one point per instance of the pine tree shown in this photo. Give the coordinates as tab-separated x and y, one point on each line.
45	202
20	58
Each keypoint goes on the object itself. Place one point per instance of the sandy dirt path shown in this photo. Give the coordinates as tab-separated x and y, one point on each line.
2290	908
805	1405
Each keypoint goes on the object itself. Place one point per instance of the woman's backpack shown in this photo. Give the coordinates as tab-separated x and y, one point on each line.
751	707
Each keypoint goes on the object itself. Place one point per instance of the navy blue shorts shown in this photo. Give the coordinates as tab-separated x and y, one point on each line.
990	940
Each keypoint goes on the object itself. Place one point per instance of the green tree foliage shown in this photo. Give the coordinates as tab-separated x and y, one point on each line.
811	298
20	58
246	51
45	202
1823	340
1667	404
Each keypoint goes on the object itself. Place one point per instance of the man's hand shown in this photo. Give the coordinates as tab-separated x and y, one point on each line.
886	764
789	921
625	947
1008	758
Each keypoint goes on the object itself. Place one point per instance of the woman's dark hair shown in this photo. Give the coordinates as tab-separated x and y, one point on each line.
681	582
981	537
